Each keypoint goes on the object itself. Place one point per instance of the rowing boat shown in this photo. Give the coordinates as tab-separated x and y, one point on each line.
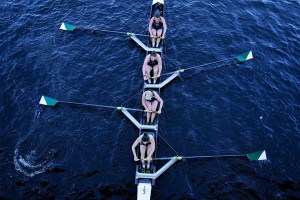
145	181
145	184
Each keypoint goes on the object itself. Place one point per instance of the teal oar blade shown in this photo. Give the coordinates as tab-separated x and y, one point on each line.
47	101
259	155
67	27
245	56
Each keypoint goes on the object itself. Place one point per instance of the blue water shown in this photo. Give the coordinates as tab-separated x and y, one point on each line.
76	152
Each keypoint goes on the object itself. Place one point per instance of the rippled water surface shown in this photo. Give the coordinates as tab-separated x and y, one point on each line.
75	152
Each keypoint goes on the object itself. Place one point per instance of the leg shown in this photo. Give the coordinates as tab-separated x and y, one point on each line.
153	108
148	71
159	32
143	153
153	39
149	149
148	114
155	72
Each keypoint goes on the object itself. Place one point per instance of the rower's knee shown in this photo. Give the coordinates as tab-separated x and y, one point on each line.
159	32
154	106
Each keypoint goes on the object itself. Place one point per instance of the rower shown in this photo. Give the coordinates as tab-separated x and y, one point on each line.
153	63
149	101
147	144
157	28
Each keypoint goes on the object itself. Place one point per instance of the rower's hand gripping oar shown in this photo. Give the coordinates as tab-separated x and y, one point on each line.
255	156
47	101
153	36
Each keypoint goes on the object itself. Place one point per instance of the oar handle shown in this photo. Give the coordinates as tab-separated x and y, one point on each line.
153	36
150	111
145	159
153	77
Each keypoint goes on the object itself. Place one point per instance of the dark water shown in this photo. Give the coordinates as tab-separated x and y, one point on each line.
76	152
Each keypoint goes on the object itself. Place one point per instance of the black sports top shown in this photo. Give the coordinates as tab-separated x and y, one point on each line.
152	63
158	25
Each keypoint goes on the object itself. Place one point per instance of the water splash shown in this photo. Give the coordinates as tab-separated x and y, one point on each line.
29	165
32	157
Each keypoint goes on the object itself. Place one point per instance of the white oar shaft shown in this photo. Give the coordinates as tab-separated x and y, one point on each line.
103	106
195	157
217	156
127	33
209	63
87	104
109	31
182	70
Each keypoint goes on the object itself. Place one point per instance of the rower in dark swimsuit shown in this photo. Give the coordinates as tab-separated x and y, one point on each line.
150	101
147	144
153	63
157	24
157	28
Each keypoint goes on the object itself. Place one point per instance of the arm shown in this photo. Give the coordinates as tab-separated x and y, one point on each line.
161	102
152	141
165	26
159	64
137	141
144	66
150	25
143	101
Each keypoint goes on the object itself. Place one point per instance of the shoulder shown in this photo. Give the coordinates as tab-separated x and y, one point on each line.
137	141
151	137
139	138
147	57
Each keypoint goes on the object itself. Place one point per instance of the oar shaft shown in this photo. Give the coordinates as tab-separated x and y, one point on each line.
165	158
141	35
217	156
109	31
209	64
195	157
87	104
105	106
127	33
182	70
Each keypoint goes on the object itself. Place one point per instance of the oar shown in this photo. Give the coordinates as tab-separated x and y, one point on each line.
69	27
47	101
255	156
240	58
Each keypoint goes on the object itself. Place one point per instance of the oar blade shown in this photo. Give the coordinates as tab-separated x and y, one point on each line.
259	155
245	56
47	101
67	27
